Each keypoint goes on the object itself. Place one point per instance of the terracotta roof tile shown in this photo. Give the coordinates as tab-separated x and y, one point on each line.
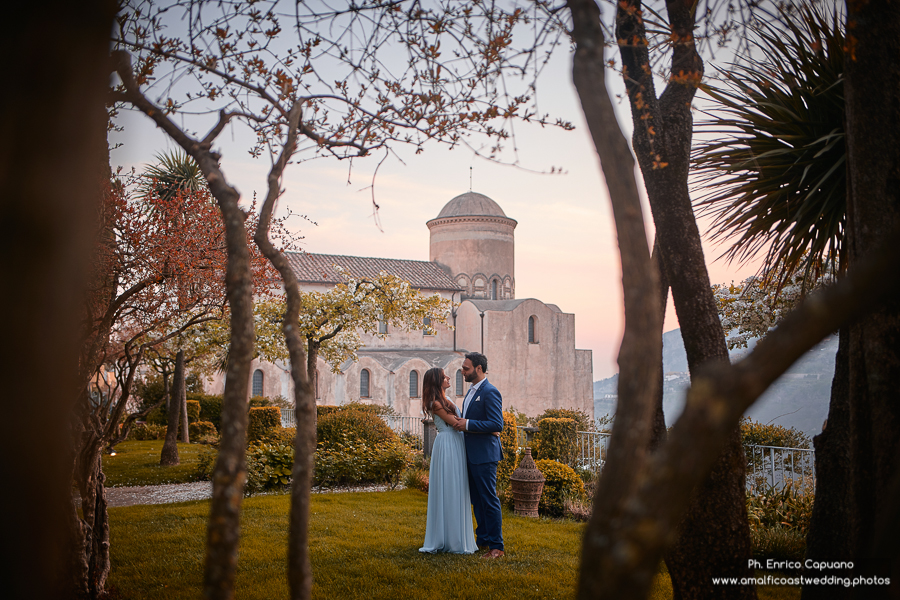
319	268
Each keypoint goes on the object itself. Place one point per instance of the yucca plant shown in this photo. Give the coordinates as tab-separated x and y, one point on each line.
173	172
772	170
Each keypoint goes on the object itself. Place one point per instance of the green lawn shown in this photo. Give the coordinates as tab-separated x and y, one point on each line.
137	463
364	545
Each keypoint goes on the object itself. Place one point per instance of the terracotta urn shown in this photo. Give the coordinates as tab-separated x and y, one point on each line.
526	483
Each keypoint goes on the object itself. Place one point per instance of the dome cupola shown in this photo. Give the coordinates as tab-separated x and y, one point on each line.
473	240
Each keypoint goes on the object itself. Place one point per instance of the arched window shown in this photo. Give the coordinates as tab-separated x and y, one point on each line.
494	290
257	383
532	333
413	384
364	383
382	326
459	383
426	323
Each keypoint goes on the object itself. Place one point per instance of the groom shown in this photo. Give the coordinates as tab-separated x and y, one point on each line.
482	413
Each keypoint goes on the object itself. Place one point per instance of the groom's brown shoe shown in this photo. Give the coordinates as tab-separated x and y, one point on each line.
495	553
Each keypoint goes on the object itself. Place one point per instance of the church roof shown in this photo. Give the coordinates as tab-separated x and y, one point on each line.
504	305
471	204
319	268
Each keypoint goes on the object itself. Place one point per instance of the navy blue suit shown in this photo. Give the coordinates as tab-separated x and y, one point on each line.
484	415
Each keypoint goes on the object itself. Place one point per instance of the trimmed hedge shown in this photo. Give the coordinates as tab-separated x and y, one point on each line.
210	408
561	483
202	431
148	431
556	440
350	463
351	425
263	422
193	411
582	419
508	443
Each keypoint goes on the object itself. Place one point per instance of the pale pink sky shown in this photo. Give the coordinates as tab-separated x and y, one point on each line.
565	241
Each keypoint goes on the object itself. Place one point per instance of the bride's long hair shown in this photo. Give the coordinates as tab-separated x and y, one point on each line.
433	391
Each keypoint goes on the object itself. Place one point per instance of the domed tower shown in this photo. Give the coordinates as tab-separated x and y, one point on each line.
472	238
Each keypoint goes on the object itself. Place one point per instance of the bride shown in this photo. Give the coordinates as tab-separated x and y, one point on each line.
448	527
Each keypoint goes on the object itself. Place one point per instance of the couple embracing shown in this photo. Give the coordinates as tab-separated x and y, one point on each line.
464	461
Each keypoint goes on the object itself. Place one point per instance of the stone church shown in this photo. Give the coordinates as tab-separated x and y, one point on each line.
530	345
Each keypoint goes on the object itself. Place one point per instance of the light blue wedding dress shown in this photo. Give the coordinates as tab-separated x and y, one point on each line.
448	527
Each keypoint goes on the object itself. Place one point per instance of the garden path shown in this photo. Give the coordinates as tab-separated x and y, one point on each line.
198	490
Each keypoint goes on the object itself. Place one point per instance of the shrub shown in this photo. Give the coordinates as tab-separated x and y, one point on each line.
259	402
777	543
561	484
193	411
205	463
416	478
210	408
583	421
556	440
268	467
354	424
788	507
262	421
412	440
508	443
326	409
158	416
355	462
202	432
148	431
281	436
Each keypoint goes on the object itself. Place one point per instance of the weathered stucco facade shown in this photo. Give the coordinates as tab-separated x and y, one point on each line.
530	345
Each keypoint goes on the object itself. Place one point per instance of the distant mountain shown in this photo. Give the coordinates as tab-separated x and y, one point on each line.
798	399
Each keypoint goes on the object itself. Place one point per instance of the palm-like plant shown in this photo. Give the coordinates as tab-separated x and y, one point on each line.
174	172
772	173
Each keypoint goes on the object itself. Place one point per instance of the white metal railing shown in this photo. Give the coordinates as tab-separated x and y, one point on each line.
777	466
411	425
590	447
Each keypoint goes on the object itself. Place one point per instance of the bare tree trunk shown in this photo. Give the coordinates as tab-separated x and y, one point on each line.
714	538
185	423
602	573
54	51
658	429
169	455
872	97
300	577
229	472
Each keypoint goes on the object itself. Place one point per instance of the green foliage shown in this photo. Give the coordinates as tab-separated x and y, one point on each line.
157	416
754	433
556	440
262	422
281	436
210	408
193	411
352	461
150	390
774	168
778	543
508	443
788	507
202	432
356	424
147	431
268	467
583	421
416	478
561	484
326	409
259	402
412	441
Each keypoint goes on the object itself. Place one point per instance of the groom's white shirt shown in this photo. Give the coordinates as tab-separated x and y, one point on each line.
468	399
